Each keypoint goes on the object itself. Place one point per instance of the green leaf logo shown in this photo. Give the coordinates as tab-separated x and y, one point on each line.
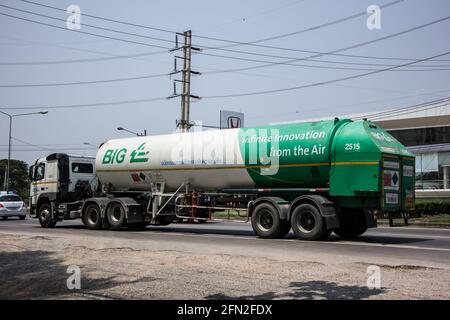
139	155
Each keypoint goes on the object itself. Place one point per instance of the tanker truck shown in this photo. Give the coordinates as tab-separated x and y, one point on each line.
312	177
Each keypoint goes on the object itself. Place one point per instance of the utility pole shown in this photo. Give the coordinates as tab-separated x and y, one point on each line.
183	123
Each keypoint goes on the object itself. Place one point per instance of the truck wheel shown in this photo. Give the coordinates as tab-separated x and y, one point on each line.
266	222
352	224
116	215
45	216
307	223
92	218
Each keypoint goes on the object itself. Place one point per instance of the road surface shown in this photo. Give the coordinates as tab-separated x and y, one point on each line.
233	254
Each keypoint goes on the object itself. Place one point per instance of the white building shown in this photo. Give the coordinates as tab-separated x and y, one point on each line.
425	130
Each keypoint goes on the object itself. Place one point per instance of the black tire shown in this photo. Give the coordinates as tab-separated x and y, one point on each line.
352	224
4	218
22	217
308	224
92	218
45	216
266	222
165	220
116	215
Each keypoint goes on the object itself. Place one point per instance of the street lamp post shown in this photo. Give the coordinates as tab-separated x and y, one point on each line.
90	144
11	116
136	133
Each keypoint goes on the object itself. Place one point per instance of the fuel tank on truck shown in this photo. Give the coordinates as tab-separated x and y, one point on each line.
288	156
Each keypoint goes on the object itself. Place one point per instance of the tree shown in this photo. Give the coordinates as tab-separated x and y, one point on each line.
18	181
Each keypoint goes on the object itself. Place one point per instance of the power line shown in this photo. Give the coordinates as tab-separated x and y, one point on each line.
83	32
338	50
316	84
313	60
252	43
270	63
81	82
30	144
102	18
342	106
48	145
380	118
324	25
87	25
88	105
435	103
110	56
24	63
43	147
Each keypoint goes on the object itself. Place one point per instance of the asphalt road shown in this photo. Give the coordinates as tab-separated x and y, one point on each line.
425	247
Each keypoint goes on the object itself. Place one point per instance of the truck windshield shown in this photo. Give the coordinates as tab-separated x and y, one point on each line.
39	172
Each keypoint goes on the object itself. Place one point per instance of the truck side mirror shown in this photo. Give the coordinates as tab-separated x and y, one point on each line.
30	173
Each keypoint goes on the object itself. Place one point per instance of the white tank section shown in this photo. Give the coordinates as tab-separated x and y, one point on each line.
207	160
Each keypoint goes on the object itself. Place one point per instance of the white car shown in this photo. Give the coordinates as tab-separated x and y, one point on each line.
11	205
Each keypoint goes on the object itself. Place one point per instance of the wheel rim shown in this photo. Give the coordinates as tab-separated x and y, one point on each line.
265	221
116	214
45	214
306	222
92	216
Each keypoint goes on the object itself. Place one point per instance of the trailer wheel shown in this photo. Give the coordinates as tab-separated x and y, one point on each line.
352	224
308	224
45	216
266	222
116	215
92	218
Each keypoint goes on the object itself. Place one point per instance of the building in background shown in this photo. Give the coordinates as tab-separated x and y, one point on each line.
425	130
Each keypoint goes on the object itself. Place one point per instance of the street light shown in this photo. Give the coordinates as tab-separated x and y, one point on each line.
90	144
11	116
136	133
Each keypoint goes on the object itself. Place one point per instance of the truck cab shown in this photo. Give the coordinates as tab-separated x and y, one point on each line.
61	179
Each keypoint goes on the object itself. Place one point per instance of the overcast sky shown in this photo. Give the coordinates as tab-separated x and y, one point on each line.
243	21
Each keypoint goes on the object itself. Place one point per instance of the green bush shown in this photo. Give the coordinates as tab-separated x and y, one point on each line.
432	207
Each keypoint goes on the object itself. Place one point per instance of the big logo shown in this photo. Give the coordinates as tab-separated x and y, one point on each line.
118	155
114	156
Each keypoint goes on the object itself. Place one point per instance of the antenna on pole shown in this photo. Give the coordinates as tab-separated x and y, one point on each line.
184	124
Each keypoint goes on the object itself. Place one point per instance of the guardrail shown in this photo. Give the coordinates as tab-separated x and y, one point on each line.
432	185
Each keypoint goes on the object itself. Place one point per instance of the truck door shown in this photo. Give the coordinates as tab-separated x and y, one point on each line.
408	184
37	174
391	182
